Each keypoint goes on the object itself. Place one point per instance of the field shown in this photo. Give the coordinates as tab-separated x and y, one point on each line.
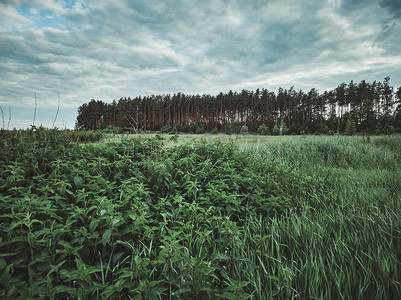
199	216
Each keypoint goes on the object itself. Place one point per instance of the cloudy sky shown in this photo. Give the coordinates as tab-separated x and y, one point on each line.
105	50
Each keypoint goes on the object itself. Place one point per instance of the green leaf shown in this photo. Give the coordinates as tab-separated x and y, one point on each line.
63	289
5	276
8	254
182	291
106	236
10	182
78	181
3	264
93	224
222	256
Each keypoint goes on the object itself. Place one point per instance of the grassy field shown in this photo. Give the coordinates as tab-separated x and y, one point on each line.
199	217
182	139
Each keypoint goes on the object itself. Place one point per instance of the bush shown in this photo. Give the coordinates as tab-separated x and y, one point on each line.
200	130
186	128
283	128
85	136
197	128
232	128
350	127
214	131
322	128
166	129
177	128
244	129
280	128
276	130
263	130
174	138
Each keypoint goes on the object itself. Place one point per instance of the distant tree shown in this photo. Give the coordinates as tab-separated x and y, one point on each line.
350	127
398	99
299	111
387	96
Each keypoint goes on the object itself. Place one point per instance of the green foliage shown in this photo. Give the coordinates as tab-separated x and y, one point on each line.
343	228
118	219
138	220
200	130
174	138
232	128
263	130
177	128
323	129
214	131
276	130
244	129
373	106
350	127
86	136
283	127
280	128
166	129
197	128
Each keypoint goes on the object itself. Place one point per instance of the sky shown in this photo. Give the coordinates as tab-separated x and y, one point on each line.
69	52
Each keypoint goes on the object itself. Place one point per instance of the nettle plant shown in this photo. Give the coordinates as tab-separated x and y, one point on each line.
130	218
137	220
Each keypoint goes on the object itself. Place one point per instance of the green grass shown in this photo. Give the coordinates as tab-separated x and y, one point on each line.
342	241
185	138
199	217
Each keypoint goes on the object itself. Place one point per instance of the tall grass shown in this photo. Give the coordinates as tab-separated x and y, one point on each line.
343	239
304	218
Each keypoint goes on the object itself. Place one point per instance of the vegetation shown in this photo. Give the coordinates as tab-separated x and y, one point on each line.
308	218
263	130
374	107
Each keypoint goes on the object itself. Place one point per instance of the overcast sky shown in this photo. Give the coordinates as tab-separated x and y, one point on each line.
106	50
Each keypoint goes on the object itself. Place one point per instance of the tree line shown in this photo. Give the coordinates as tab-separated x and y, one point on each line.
363	107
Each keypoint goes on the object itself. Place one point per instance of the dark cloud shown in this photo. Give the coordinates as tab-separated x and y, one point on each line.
393	6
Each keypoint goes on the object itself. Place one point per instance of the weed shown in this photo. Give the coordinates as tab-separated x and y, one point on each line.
301	218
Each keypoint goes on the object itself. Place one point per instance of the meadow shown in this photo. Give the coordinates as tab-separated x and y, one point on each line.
158	216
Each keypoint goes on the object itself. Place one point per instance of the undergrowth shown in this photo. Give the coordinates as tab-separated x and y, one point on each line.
136	220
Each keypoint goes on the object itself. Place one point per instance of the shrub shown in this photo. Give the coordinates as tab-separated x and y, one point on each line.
280	128
322	128
283	128
263	130
214	131
244	129
197	128
166	129
200	130
174	137
350	127
186	128
177	128
232	128
276	130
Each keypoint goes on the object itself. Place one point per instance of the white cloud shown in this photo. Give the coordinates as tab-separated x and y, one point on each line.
10	18
110	49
